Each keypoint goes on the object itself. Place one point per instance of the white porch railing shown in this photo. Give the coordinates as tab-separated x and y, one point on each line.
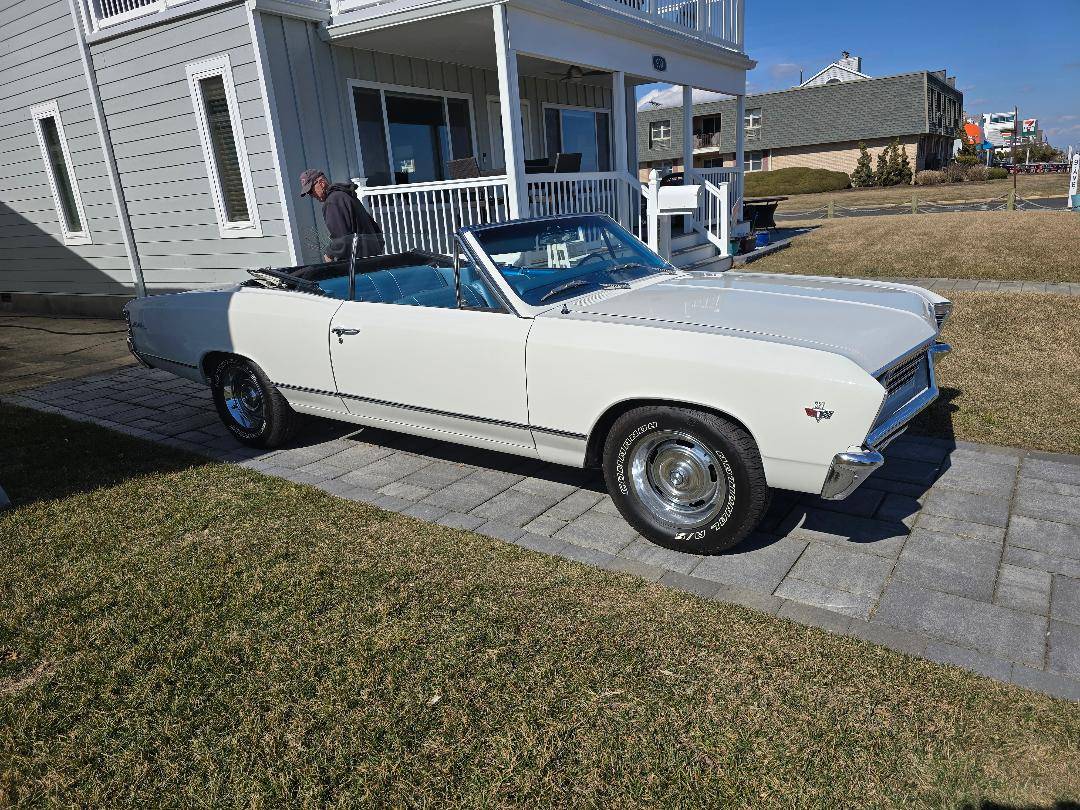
103	13
616	194
732	176
720	21
713	217
424	216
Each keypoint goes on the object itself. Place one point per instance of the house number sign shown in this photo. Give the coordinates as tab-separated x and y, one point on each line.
659	63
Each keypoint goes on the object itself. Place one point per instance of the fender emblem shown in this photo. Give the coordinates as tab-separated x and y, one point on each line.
818	412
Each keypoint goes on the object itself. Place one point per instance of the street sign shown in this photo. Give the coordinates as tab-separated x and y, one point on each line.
1074	181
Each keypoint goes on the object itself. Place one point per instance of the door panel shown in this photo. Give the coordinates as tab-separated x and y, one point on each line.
454	370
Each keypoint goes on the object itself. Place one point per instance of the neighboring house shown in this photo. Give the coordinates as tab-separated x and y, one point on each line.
818	124
156	144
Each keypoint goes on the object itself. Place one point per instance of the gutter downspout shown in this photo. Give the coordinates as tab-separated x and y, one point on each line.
266	85
110	158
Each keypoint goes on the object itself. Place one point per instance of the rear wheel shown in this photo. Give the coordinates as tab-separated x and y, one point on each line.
685	479
250	405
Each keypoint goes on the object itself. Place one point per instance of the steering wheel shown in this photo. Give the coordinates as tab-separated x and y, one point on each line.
588	257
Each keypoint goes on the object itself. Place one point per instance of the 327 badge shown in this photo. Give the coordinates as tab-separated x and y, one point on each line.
818	412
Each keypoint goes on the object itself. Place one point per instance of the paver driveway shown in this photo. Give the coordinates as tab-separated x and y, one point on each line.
964	554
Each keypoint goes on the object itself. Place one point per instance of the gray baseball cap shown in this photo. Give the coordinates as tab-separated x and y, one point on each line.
308	179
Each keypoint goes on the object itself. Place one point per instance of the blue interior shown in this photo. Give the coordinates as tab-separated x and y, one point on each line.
420	285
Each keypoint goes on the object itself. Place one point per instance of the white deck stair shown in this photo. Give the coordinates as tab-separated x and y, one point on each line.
693	251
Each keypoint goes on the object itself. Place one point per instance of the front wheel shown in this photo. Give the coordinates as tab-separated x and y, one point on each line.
250	405
685	479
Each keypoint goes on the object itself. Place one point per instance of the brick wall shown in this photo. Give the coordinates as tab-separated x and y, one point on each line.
840	157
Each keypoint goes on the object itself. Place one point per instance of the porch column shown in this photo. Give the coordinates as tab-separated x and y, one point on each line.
687	144
622	135
510	104
740	159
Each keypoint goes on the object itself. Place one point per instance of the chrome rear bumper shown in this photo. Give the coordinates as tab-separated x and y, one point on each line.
850	468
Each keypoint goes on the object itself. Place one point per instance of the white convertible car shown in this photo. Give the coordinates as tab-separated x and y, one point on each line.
568	340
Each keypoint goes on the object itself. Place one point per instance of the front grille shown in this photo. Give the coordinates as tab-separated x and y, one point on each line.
899	376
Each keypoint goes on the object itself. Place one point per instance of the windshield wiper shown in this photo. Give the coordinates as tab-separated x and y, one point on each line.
581	282
668	268
569	285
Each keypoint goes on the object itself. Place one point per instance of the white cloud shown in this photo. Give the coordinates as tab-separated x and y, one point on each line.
671	96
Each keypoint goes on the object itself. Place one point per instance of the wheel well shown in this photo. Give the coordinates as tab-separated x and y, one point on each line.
210	362
594	448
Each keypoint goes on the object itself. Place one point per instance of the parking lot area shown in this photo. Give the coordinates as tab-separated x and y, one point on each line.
961	553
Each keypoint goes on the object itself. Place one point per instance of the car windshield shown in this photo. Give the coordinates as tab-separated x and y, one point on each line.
547	260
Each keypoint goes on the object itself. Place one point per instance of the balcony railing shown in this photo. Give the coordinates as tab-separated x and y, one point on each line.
103	13
710	140
719	21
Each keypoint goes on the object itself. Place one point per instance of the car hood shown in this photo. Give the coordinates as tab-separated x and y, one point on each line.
870	323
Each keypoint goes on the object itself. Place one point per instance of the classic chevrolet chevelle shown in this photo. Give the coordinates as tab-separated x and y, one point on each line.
568	340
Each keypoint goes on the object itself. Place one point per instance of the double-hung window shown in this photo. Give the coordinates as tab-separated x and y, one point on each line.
61	174
660	134
753	118
222	134
752	161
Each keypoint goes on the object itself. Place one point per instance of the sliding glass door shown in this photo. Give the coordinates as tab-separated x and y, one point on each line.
587	131
410	137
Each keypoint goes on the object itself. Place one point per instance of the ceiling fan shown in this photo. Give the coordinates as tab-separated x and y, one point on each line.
576	74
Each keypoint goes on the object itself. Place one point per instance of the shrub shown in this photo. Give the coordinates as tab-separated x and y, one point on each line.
955	173
967	160
795	180
977	173
863	176
929	178
881	174
996	173
905	167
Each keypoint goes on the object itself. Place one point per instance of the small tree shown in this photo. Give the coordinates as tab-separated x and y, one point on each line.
881	176
905	176
895	171
863	176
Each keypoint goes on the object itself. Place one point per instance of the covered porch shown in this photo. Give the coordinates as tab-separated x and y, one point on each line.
426	129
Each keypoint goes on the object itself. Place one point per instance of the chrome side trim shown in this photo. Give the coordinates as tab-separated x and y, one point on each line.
847	471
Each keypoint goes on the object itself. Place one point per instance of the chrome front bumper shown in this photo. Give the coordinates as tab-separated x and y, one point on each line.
131	341
850	468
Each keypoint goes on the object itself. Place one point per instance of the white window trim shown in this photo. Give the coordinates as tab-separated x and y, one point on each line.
196	72
748	119
662	142
51	109
385	88
556	106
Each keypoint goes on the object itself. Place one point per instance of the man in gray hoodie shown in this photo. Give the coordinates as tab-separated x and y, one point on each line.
345	215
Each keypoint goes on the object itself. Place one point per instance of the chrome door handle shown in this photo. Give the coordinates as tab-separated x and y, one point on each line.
342	332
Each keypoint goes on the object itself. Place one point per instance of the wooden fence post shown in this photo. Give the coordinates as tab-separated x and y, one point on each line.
1011	205
831	212
914	203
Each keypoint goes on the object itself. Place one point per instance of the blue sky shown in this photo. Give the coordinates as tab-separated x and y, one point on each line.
999	60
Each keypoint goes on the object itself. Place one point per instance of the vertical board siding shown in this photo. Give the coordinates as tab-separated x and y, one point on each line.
310	79
39	62
144	88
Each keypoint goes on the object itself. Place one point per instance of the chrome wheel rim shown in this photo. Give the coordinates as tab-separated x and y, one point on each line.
243	398
677	478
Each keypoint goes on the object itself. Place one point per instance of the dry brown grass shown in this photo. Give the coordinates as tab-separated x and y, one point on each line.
1030	186
1001	245
1013	377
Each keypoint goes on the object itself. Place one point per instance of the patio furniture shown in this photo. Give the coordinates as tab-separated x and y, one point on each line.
760	211
463	168
567	162
539	166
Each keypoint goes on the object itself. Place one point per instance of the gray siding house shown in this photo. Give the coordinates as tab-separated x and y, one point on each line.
818	125
155	145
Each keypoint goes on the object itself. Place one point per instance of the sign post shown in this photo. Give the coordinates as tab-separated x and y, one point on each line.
1074	181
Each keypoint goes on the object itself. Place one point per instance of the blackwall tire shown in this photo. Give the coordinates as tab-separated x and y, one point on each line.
685	479
250	406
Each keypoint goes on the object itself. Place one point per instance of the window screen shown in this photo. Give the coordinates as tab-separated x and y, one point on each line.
223	145
61	176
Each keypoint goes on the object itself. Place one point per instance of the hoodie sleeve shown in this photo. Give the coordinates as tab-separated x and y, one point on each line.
338	214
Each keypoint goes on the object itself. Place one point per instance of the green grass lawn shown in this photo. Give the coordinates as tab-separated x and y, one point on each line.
991	245
178	633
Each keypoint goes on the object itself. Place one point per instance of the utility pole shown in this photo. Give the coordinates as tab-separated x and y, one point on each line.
1016	134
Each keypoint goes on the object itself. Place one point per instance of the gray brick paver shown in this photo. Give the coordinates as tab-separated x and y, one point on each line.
842	569
515	507
825	598
1023	589
760	562
966	622
949	563
1065	599
1063	648
990	509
